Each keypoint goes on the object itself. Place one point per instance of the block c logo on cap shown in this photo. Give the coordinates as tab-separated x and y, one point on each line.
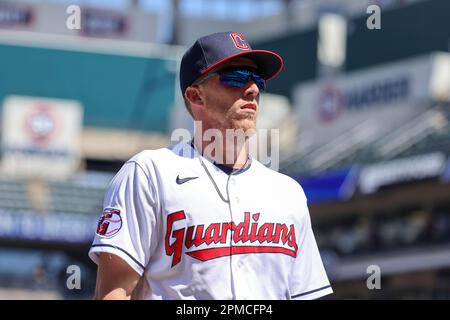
239	41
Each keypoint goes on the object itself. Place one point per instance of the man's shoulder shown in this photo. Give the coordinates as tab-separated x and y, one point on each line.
280	180
276	176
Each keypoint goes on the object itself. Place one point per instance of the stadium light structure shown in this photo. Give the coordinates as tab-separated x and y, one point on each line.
331	45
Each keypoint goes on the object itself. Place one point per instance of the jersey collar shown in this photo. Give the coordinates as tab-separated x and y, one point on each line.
226	169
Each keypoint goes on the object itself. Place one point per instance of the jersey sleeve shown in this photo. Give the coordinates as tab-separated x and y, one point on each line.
308	279
127	225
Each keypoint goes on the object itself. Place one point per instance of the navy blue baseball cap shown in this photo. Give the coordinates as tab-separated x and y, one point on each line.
210	51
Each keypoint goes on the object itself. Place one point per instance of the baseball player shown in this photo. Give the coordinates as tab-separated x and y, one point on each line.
183	223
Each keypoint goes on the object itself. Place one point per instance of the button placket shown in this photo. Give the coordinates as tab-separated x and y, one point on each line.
234	208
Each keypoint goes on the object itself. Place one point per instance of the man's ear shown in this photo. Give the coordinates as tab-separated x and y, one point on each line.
193	95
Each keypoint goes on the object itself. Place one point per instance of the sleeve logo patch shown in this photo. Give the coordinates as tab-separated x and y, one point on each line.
109	223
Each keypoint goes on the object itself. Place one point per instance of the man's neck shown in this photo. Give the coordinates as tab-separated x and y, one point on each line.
231	153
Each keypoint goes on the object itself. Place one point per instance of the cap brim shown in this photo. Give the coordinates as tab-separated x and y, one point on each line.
269	63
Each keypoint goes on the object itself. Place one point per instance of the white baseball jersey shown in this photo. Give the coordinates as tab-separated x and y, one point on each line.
195	231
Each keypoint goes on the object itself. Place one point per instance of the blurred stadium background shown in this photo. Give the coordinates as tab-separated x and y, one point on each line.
363	117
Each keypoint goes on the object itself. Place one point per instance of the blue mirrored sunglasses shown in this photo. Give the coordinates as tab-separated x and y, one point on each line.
237	77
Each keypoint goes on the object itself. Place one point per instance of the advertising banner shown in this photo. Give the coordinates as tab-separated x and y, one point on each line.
377	175
64	227
384	97
16	15
41	137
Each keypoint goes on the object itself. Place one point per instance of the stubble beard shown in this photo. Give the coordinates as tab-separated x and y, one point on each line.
245	125
245	122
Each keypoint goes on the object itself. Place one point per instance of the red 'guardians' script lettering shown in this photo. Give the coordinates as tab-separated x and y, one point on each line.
246	237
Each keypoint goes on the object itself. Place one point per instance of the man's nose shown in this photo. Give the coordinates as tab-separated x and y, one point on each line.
251	89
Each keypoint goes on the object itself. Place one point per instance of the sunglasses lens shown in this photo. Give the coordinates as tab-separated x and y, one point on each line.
239	78
260	82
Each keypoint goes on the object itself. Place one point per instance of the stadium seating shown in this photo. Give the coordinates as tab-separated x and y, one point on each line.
428	132
82	194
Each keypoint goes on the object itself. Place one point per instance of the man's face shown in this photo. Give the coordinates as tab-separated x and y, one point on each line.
226	107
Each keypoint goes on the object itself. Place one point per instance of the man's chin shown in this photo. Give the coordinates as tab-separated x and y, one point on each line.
250	131
245	125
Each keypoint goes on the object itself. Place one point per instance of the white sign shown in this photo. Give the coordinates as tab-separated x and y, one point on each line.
385	97
41	137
